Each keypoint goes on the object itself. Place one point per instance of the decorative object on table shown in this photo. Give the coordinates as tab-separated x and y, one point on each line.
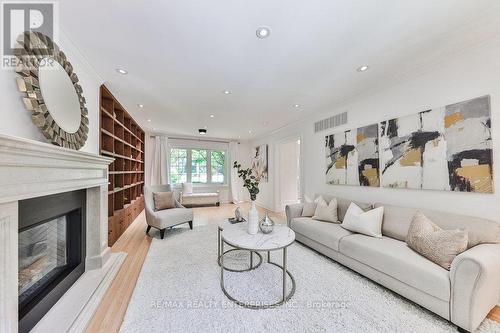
52	92
352	157
259	162
447	148
237	214
266	225
251	182
233	220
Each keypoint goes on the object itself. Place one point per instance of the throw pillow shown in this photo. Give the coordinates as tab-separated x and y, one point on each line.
367	223
187	188
438	245
163	200
309	207
326	212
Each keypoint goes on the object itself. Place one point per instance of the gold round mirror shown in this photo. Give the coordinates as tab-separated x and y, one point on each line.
52	92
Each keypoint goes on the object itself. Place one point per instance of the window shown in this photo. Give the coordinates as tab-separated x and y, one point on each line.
199	162
198	166
218	165
178	166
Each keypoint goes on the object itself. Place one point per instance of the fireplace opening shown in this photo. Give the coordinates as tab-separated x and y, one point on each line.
51	252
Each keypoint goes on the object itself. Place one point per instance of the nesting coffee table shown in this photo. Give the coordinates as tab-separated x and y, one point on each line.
236	236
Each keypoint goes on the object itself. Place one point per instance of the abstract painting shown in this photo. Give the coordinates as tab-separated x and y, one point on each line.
259	163
447	148
352	157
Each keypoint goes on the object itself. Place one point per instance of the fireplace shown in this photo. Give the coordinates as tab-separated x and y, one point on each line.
51	252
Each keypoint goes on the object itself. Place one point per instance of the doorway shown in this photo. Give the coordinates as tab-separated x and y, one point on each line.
289	185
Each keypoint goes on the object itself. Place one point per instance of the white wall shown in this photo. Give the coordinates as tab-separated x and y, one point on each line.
287	189
471	74
16	120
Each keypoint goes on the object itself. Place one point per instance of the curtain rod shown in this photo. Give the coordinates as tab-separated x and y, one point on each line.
192	139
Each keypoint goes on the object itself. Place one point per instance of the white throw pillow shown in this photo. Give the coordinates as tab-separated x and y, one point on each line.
309	206
326	212
367	223
187	188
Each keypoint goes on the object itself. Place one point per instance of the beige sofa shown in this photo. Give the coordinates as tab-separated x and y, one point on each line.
464	295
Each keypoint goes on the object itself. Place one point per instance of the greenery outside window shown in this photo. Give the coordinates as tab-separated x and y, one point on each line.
199	162
218	166
178	166
198	166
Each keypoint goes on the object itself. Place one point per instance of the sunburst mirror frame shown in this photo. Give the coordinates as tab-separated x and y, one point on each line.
32	48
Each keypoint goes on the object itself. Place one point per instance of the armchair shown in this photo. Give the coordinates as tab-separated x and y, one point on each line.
167	218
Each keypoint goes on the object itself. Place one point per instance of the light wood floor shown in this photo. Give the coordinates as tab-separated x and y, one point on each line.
110	313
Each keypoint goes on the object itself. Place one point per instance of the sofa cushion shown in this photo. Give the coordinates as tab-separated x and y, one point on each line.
326	212
396	259
480	231
437	245
187	188
343	204
163	200
328	234
309	206
367	223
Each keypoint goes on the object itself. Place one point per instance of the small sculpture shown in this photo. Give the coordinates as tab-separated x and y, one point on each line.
237	215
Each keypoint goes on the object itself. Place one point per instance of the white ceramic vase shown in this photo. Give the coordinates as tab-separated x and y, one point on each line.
253	220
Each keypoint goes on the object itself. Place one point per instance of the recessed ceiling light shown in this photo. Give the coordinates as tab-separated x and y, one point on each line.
149	120
296	105
212	116
263	32
363	68
226	92
140	105
202	131
122	71
249	131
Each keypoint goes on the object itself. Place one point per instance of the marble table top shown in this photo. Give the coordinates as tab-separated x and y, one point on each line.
236	235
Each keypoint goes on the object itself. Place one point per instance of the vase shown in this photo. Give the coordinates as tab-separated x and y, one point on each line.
253	220
266	225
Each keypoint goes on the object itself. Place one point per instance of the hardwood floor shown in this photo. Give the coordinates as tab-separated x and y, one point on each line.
110	313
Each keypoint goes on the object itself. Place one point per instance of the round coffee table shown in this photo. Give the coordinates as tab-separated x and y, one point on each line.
220	251
236	236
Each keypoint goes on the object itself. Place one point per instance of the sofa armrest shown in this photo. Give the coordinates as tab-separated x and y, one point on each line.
475	285
293	211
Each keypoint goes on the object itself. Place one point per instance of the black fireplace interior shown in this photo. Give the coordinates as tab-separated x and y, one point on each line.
51	252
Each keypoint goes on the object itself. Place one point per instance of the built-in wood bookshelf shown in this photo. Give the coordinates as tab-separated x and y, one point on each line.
123	139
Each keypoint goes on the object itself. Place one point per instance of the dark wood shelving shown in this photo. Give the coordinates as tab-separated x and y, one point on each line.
122	138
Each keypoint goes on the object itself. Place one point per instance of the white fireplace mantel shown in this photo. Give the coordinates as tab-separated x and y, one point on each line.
31	169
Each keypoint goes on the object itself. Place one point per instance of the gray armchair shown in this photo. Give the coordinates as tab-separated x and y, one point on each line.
167	218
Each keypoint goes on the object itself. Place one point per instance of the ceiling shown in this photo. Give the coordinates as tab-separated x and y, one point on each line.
181	55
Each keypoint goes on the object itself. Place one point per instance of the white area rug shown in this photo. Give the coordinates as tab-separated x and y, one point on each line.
178	291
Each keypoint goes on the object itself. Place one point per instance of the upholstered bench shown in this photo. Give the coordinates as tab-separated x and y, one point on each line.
200	199
188	198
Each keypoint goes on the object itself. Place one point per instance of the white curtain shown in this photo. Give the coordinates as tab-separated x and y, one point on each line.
159	161
235	182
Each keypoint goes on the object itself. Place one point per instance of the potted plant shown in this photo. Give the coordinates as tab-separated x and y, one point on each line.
251	182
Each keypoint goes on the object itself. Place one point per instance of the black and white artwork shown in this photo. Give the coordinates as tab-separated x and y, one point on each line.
352	157
447	148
